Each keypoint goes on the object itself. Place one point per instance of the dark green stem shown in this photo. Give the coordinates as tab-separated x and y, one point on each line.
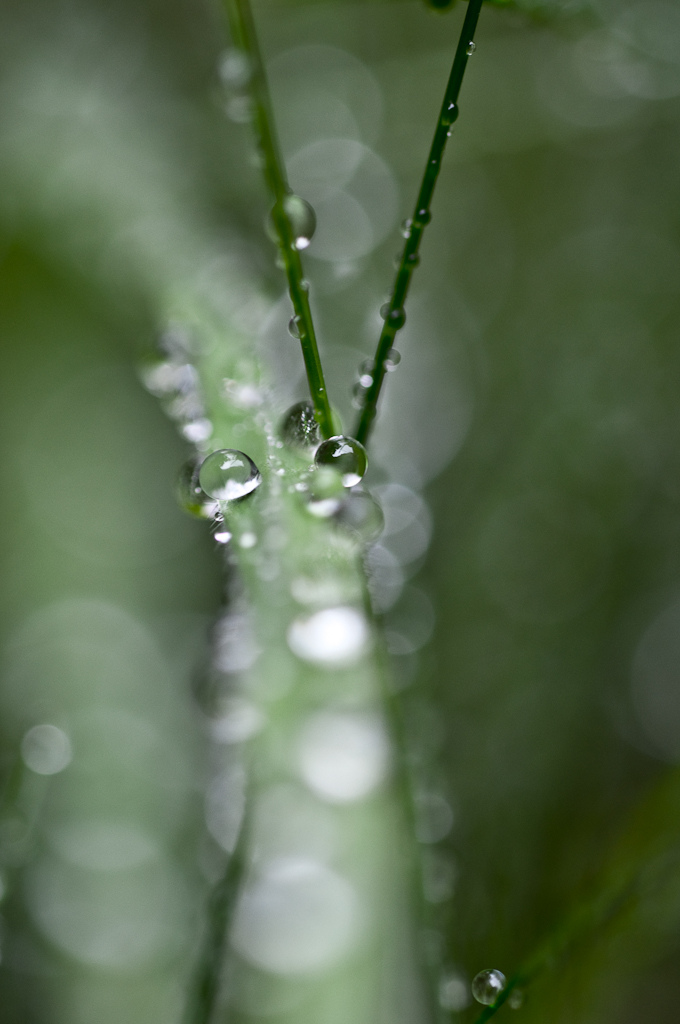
245	39
394	319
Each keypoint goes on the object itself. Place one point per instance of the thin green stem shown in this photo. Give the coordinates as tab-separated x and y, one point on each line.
395	316
245	39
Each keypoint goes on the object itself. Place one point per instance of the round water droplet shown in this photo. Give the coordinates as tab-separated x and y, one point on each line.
392	360
299	428
190	494
450	114
516	999
345	455
423	217
361	514
301	218
366	371
470	48
332	638
487	986
406	226
228	474
294	326
396	318
234	69
413	259
325	493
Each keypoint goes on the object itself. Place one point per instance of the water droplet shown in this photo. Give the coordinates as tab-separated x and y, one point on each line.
396	318
239	109
332	638
361	514
450	114
190	494
454	993
301	218
228	474
487	986
221	534
392	360
294	326
345	455
423	217
46	750
325	493
406	226
516	999
299	428
234	69
413	259
470	48
366	371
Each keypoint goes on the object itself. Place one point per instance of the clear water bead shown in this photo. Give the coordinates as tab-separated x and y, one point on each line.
392	360
294	327
228	475
487	986
345	455
299	428
395	318
406	226
302	220
470	48
450	114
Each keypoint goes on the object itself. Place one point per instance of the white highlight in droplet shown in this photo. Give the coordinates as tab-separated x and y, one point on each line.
333	637
46	749
298	917
343	756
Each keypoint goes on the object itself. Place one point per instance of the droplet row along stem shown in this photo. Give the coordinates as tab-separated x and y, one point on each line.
245	39
395	318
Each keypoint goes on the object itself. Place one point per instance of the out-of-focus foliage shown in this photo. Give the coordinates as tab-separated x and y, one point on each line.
535	409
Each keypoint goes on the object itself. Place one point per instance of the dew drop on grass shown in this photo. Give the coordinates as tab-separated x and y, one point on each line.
299	428
487	986
345	455
220	533
450	114
190	494
228	474
392	360
294	327
302	220
470	48
406	226
422	217
396	318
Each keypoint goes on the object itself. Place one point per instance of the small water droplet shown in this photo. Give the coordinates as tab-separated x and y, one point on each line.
361	514
301	218
392	360
423	217
299	428
470	48
345	455
190	494
487	986
294	327
406	226
228	474
450	114
239	109
234	69
332	638
516	999
366	371
396	318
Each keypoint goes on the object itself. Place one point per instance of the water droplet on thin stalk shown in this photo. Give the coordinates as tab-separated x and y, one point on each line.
406	226
396	317
294	327
325	493
392	360
299	428
197	430
487	986
450	114
228	474
301	218
470	48
423	217
345	455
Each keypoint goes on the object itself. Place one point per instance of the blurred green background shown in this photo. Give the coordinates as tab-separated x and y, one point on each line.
534	618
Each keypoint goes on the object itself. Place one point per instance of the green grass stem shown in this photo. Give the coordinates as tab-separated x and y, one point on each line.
395	317
245	39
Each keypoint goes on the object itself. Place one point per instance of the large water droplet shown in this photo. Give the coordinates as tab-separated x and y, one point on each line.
299	428
190	494
487	986
345	455
332	638
228	474
302	220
